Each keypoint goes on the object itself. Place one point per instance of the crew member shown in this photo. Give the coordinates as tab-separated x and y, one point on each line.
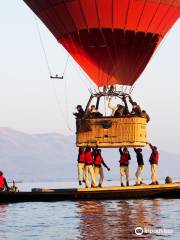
118	110
3	182
81	165
98	162
94	112
145	115
89	168
80	112
140	168
154	159
136	110
124	165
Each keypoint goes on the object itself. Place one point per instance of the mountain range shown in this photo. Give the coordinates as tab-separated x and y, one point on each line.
52	156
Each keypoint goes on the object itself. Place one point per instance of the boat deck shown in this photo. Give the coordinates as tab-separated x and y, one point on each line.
130	192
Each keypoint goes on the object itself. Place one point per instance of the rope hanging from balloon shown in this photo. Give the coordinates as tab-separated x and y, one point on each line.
65	118
42	46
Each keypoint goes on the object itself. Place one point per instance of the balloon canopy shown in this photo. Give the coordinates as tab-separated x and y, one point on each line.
112	40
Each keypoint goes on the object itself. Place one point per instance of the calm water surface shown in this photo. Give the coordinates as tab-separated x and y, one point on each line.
92	220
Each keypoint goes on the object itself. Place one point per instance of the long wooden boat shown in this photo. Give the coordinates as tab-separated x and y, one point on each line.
130	192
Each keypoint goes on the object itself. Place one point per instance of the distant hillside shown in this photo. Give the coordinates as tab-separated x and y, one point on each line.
53	156
38	156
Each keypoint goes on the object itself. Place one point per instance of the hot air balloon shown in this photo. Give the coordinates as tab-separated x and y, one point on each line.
112	41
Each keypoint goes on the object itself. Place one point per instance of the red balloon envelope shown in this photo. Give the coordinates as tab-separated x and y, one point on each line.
112	40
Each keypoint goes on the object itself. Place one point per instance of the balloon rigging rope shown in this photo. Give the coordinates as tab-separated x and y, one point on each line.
65	118
42	45
66	64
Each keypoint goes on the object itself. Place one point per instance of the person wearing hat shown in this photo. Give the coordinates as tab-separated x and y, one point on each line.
80	112
124	165
3	182
154	159
140	163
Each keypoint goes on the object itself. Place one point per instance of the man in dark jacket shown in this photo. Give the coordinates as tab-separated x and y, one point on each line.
124	165
154	159
140	163
80	112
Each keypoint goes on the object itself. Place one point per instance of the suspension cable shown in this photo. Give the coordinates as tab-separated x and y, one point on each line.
42	45
49	71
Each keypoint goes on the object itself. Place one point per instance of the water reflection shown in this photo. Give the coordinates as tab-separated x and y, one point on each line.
2	219
117	219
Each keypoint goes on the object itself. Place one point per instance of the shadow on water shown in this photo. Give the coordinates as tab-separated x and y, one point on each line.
117	219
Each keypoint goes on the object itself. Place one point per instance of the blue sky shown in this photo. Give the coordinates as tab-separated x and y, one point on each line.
33	103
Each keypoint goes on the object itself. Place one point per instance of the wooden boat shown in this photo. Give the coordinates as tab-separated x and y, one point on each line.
130	192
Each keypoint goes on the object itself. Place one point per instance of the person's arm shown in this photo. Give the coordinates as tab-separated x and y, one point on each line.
147	117
94	151
126	110
103	163
130	100
135	149
139	110
110	105
6	185
129	156
152	148
120	150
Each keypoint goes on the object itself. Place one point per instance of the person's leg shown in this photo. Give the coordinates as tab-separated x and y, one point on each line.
80	171
153	174
140	174
96	173
137	175
86	176
122	175
127	175
101	176
91	171
84	173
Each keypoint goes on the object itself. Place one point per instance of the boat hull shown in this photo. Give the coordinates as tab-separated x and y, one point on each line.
105	193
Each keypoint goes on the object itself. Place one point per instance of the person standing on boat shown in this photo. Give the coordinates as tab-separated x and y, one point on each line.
89	161
3	182
124	165
140	168
154	159
98	162
81	165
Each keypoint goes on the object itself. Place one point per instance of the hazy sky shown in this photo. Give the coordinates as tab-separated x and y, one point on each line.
33	103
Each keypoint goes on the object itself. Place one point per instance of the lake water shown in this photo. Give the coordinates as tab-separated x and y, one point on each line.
92	220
